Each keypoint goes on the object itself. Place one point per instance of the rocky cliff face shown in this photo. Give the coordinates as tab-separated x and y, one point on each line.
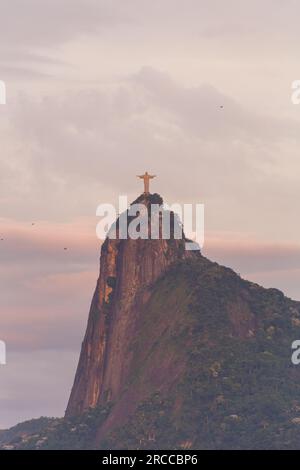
128	269
182	353
179	353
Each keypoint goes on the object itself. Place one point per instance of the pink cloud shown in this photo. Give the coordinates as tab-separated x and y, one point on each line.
49	238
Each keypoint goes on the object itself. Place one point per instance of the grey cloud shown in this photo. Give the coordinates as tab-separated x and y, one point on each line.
197	19
19	64
256	257
50	23
209	113
77	139
34	250
8	55
35	384
53	22
45	309
20	73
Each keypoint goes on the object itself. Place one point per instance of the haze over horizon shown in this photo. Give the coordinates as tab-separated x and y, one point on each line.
99	91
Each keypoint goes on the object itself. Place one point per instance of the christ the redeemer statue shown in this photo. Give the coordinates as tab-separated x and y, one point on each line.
146	177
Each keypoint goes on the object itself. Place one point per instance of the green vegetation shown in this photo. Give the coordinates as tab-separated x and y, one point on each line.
239	391
235	387
57	433
77	432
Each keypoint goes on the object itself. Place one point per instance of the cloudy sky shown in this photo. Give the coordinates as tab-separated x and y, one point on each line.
101	90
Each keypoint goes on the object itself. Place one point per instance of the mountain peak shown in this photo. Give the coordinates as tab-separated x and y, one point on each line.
128	269
179	353
148	198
